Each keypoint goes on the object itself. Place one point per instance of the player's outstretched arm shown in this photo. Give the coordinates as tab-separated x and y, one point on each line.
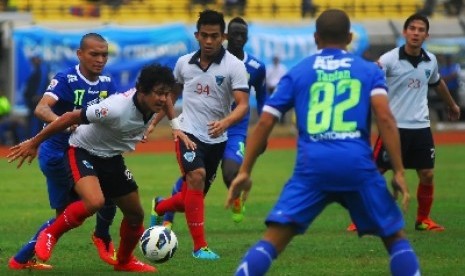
28	149
255	143
390	135
453	109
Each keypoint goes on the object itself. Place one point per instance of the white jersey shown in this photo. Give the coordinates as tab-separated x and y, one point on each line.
408	86
116	124
208	94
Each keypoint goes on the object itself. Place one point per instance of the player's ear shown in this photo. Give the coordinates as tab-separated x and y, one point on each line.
349	38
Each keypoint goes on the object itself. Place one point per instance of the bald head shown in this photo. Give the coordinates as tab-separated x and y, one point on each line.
333	26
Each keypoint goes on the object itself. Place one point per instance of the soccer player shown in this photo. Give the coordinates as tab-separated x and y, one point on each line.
333	93
234	152
410	70
95	163
212	80
74	88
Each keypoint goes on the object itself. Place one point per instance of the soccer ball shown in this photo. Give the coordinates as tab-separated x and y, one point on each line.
158	244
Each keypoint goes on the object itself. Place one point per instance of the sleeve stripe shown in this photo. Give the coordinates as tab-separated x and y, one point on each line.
53	95
273	111
378	91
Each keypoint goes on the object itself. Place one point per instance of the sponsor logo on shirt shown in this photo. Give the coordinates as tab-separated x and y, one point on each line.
103	94
72	78
101	113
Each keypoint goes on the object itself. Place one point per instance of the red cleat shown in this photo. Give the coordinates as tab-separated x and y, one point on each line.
44	245
135	265
351	227
31	265
106	250
428	225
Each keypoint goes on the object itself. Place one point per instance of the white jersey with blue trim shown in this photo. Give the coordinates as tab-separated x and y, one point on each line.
115	126
207	94
408	85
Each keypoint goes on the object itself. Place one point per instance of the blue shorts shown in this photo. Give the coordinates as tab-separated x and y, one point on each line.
59	181
235	148
371	206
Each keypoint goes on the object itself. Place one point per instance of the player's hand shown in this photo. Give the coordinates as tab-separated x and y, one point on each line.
399	186
147	133
453	113
179	134
216	128
25	150
241	185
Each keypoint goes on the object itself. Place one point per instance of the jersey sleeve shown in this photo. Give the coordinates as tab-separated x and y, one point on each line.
105	112
59	89
435	74
239	76
282	100
260	89
385	63
177	71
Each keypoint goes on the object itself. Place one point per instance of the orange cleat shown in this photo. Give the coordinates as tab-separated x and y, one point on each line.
44	245
351	227
106	251
31	265
428	225
135	265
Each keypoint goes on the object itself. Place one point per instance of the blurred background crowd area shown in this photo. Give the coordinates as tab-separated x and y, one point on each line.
39	38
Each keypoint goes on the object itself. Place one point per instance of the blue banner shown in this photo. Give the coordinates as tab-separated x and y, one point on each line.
130	49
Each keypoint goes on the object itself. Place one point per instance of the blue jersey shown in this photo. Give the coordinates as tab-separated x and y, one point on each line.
73	91
256	73
331	94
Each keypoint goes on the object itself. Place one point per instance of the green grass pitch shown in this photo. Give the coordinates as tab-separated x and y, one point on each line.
326	248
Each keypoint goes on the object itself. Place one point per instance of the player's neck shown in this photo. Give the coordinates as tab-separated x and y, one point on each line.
412	51
88	75
237	53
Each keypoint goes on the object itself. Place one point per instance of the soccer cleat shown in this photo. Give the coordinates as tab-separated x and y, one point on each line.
106	250
428	225
134	265
167	224
351	227
155	219
44	245
238	210
31	265
205	253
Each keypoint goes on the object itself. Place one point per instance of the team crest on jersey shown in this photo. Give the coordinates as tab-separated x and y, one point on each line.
103	94
52	84
101	113
189	156
427	73
219	80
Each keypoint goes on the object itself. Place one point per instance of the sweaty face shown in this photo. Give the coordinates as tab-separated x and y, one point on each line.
93	57
237	36
415	34
210	39
156	99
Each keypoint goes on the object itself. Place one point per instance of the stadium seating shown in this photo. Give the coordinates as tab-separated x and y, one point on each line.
187	10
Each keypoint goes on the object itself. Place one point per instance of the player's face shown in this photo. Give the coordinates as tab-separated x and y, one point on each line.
210	39
415	34
237	36
93	57
156	99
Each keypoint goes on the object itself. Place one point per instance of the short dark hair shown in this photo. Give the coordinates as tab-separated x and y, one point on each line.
238	20
87	36
416	16
333	25
211	17
154	74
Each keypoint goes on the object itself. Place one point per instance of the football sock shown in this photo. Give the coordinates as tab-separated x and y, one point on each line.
169	216
425	201
404	262
130	235
194	206
257	260
27	251
73	216
104	219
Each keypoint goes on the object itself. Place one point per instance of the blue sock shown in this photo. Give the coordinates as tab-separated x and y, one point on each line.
404	262
169	216
105	218
257	260
27	251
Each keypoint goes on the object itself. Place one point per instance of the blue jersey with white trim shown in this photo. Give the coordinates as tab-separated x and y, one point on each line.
331	93
73	91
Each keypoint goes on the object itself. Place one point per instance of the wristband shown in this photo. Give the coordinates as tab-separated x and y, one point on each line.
174	123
